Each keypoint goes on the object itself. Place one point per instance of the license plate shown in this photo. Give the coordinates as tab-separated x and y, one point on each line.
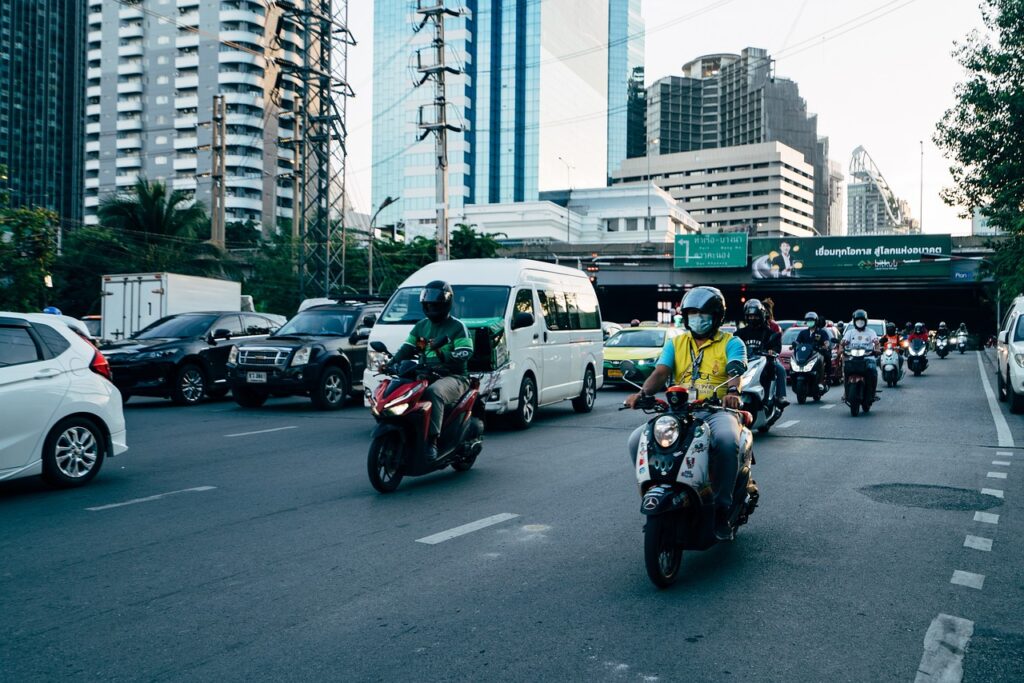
256	377
615	373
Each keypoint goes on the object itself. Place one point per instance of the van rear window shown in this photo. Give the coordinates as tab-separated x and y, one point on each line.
471	301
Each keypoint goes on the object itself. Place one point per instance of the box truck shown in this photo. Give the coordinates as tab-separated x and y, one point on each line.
132	301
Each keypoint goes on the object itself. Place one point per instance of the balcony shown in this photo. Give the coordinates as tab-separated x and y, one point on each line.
248	183
189	143
128	162
189	82
190	61
90	202
92	145
93	73
92	182
92	128
189	102
242	15
133	88
254	163
92	109
92	91
184	184
188	40
189	18
131	31
134	142
243	203
185	163
94	37
235	77
125	180
130	69
188	121
239	57
241	36
129	106
93	55
135	49
130	13
92	165
129	124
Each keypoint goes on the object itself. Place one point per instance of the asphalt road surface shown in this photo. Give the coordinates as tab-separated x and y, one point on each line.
231	544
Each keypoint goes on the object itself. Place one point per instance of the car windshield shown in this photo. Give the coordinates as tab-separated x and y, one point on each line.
93	326
653	339
319	323
877	326
177	327
471	301
1018	334
790	335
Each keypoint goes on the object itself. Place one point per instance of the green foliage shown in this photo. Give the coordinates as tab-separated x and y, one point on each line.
150	209
28	247
274	282
468	243
238	234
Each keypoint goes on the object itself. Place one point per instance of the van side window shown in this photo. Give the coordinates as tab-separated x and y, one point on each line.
590	316
574	311
555	312
524	301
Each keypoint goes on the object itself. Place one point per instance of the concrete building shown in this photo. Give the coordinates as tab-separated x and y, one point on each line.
154	67
766	189
42	86
836	200
543	98
873	208
725	100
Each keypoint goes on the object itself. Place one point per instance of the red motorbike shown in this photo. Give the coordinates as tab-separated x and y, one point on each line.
403	423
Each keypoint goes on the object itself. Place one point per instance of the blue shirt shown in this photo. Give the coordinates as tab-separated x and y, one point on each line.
734	351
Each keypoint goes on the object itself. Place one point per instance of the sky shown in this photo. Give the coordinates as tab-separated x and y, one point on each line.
878	73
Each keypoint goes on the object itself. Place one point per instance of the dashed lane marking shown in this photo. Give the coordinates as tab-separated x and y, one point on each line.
1003	433
443	536
1004	454
1001	463
986	517
998	493
978	543
996	475
944	647
969	579
787	424
259	431
148	499
828	406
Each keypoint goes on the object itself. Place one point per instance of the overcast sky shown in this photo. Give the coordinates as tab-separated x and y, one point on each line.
882	85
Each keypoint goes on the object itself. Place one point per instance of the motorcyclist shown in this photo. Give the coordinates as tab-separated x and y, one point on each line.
841	327
942	332
892	337
919	333
817	337
449	360
860	336
709	362
908	328
962	329
758	338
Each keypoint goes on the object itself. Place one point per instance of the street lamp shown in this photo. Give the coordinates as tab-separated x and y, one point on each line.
568	180
650	143
388	201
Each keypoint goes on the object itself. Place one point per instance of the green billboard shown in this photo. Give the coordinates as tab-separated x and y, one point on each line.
850	257
726	250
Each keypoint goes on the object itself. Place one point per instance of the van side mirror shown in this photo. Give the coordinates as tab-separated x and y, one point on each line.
1004	336
522	319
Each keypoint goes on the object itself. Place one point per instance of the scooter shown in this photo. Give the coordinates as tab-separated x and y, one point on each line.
942	346
961	342
892	365
855	372
754	395
808	373
673	471
917	357
403	422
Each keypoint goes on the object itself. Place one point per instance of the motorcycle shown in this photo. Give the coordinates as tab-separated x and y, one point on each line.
855	371
673	471
961	342
892	365
917	357
403	421
758	395
808	373
942	346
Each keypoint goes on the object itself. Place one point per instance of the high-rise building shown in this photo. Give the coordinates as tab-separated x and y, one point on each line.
543	97
836	199
154	67
636	111
873	208
725	100
42	71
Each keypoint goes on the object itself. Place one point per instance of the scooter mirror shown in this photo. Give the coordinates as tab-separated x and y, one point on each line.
630	373
379	346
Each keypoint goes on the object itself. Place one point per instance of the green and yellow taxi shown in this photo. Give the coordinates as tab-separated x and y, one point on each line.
642	345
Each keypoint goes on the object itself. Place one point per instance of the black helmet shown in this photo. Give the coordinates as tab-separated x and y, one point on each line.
908	326
890	328
811	315
840	326
754	312
860	314
919	327
704	300
942	325
436	299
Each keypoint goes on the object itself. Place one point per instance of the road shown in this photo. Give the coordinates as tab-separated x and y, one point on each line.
273	559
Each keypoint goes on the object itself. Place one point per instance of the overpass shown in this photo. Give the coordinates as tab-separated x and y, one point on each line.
910	277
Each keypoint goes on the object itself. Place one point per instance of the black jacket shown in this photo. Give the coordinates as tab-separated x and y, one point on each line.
818	337
759	340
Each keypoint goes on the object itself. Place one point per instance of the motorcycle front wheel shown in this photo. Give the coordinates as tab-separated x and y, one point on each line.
800	389
853	399
662	555
384	462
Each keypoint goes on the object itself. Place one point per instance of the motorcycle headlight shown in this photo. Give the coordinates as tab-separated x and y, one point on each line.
301	356
376	360
1019	357
233	355
397	410
666	431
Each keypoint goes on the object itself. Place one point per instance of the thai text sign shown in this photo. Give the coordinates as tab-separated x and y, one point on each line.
850	257
726	250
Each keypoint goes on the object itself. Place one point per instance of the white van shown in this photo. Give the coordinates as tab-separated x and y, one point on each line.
1010	357
536	325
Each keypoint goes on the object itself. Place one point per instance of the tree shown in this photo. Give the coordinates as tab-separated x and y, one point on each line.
468	243
28	246
150	209
88	253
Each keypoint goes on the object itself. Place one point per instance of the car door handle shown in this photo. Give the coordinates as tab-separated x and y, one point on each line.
536	337
46	373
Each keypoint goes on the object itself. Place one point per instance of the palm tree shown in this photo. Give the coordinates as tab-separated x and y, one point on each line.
150	209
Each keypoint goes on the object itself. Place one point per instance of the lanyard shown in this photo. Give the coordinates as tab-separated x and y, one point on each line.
696	360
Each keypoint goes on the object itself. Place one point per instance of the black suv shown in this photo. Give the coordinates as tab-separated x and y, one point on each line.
183	356
319	353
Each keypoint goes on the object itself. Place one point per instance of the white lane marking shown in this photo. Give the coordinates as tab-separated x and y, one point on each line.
259	431
944	647
986	517
147	499
1002	428
969	579
443	536
828	406
992	492
787	424
1001	463
1004	454
996	475
978	543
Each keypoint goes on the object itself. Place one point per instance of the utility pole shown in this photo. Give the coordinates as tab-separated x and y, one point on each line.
650	143
437	123
218	153
568	196
920	217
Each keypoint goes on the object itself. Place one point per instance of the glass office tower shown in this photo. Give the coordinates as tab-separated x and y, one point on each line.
543	97
626	130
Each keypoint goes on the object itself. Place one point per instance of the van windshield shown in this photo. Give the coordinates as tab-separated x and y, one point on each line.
471	301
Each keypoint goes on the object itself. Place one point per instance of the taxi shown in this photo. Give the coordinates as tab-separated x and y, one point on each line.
642	345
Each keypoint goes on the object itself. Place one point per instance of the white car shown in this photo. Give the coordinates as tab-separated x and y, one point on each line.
1010	354
60	415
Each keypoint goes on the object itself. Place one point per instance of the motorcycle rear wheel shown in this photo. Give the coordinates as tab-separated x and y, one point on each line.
384	462
662	555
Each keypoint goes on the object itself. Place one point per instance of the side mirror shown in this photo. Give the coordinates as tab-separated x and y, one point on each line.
630	372
1004	337
369	320
522	319
220	333
361	334
379	346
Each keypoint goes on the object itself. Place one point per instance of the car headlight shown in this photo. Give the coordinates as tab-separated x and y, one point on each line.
648	361
1019	357
301	356
158	355
666	431
233	355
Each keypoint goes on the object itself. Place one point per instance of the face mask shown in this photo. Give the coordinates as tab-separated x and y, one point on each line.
860	324
700	323
810	324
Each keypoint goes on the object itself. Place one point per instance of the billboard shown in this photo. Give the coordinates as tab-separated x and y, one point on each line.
837	258
726	250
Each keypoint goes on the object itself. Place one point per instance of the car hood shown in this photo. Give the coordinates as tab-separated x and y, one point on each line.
128	346
289	342
630	352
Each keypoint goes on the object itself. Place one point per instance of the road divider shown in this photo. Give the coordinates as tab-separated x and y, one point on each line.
147	499
479	524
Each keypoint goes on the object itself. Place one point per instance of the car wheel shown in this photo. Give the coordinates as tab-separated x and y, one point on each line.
1015	400
247	398
527	409
189	385
333	389
73	452
584	403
